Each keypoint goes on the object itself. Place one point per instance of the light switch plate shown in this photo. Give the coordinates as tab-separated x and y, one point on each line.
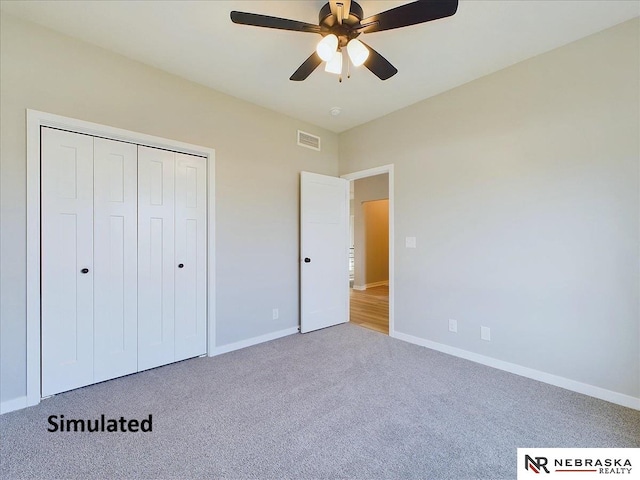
410	242
453	325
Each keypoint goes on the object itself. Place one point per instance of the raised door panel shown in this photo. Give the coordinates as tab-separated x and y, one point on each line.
67	260
115	259
191	256
156	253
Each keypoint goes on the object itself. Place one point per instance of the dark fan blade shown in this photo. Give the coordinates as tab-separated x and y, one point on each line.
409	14
379	65
273	22
304	70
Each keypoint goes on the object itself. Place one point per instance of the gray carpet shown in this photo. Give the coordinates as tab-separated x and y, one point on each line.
343	402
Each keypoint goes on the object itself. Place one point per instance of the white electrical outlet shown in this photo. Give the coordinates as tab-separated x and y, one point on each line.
485	333
453	325
276	314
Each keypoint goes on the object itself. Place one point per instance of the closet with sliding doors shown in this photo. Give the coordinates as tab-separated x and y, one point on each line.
123	258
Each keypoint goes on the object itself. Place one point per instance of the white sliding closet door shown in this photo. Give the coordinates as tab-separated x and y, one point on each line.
156	254
67	260
191	256
115	259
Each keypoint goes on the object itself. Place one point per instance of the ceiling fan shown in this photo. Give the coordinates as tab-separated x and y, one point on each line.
341	22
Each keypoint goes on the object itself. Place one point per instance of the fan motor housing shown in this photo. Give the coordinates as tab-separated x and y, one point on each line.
344	32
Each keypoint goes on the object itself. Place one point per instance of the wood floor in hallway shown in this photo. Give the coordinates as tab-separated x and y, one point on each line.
370	308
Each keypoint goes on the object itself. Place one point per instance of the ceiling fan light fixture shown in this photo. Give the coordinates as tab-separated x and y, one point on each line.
327	47
340	22
358	53
335	64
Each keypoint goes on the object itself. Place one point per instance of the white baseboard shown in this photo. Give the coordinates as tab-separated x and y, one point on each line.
584	388
12	405
371	285
230	347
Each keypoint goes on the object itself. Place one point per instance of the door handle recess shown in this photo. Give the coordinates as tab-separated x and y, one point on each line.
181	265
84	270
307	260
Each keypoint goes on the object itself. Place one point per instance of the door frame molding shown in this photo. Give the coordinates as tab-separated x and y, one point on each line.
36	120
372	172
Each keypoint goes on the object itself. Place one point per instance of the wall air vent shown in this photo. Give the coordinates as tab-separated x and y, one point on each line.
307	140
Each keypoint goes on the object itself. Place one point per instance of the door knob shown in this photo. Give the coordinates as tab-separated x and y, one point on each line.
307	260
84	270
181	265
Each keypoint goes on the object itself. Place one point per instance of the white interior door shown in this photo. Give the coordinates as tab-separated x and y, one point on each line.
191	256
156	254
115	274
67	260
123	258
324	248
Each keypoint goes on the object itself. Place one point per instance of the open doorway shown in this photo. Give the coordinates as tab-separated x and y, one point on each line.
369	266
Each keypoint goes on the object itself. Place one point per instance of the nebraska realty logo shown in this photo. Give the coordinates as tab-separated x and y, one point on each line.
581	463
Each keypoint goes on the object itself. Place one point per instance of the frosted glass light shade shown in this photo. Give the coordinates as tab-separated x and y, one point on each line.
335	64
358	53
327	47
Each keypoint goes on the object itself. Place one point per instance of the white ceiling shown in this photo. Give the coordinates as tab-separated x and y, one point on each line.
197	40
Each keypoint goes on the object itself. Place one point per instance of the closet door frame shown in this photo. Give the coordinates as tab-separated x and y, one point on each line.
35	121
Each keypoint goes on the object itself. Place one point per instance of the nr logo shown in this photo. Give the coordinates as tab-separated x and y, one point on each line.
536	464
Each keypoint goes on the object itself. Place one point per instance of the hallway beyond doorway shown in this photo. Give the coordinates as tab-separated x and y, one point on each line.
370	308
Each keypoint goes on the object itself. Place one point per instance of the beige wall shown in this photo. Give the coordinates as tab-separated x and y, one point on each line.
522	189
365	190
257	174
376	240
